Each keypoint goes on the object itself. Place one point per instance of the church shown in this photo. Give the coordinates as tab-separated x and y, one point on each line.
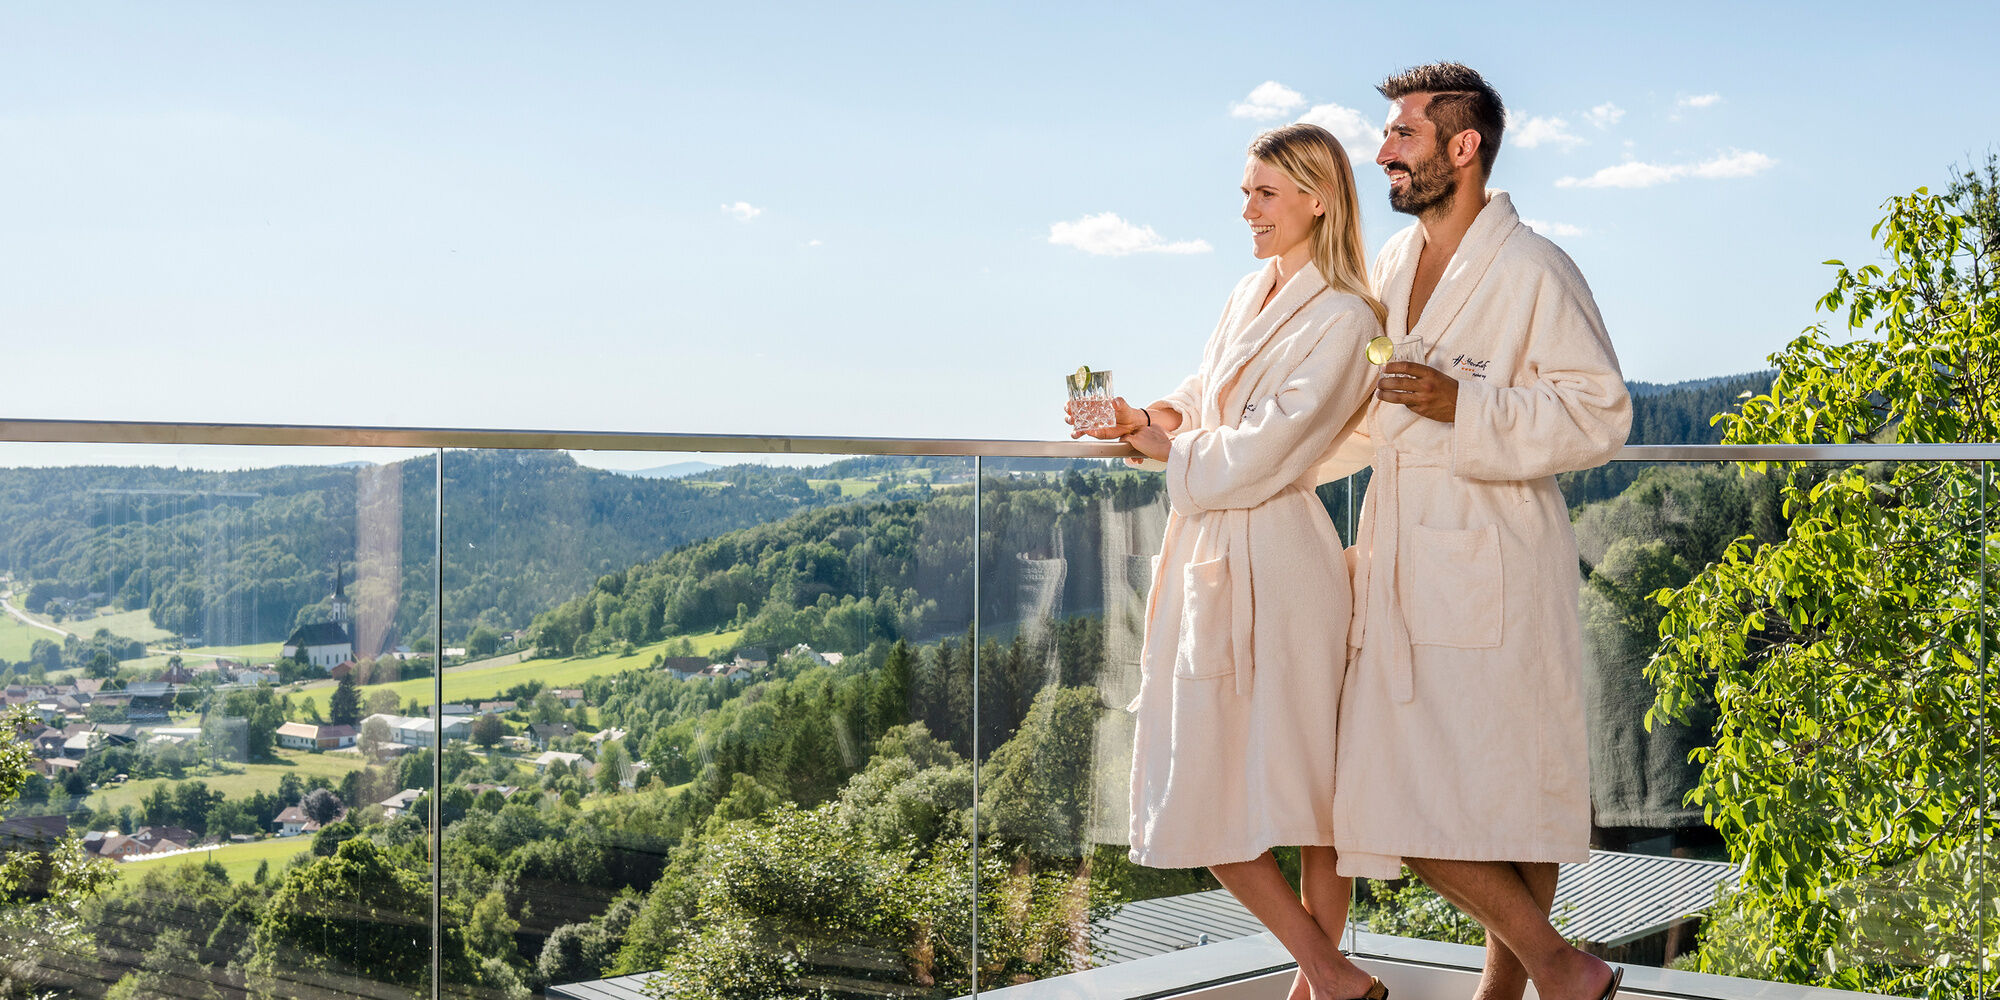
325	644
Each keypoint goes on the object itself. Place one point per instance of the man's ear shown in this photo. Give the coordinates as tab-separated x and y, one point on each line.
1464	148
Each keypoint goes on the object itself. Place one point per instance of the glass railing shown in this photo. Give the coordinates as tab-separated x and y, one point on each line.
851	718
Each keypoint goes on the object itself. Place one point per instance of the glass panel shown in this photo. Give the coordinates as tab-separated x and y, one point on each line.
710	719
1067	553
1787	719
198	819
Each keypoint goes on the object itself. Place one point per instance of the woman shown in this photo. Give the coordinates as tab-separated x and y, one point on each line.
1246	625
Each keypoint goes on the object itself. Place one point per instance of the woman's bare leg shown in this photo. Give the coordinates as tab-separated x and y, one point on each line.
1326	895
1262	889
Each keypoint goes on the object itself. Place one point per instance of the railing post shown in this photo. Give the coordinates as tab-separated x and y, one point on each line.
978	479
437	745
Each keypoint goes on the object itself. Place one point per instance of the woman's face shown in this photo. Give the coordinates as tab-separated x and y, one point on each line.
1280	215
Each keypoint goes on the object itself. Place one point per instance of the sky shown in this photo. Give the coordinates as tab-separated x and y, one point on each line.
883	220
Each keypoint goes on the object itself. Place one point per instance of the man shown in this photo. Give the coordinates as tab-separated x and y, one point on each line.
1461	737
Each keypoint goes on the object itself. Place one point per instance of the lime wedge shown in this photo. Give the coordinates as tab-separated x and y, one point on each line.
1380	350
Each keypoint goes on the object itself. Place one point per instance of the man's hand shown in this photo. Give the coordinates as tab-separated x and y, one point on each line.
1429	392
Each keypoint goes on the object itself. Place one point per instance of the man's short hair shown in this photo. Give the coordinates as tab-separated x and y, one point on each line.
1461	99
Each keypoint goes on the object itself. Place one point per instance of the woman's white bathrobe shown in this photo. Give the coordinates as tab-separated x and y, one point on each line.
1462	724
1246	623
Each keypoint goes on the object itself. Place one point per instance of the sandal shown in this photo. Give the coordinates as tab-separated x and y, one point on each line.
1376	990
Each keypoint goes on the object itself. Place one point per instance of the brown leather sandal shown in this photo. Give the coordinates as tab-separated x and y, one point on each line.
1376	990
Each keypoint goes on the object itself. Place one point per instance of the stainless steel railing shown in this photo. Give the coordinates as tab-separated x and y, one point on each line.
314	435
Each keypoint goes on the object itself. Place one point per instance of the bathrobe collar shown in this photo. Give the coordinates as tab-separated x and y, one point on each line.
1250	330
1490	230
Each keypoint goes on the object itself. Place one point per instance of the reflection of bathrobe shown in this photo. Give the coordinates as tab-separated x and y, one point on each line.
1462	725
1246	625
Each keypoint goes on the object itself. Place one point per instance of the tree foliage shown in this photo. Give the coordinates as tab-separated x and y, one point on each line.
1847	658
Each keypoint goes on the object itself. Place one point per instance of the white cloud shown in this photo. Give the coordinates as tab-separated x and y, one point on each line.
1537	131
1700	101
1107	235
1553	228
1626	175
1638	174
1353	130
1604	115
814	243
1270	100
1735	163
743	210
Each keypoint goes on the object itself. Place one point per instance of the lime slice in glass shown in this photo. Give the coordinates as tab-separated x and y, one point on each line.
1380	350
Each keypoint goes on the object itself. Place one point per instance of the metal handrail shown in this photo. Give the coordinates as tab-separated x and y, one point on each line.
321	435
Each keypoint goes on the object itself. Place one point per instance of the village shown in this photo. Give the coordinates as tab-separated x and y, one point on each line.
178	721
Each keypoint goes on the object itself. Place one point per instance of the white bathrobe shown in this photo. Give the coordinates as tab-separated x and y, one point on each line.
1462	722
1246	623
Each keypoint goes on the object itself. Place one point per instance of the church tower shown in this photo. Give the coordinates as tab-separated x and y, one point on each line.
340	600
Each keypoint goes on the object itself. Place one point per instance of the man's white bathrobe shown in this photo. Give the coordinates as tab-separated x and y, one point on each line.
1462	723
1246	623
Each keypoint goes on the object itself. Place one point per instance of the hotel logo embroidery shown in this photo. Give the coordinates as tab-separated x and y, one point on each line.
1463	365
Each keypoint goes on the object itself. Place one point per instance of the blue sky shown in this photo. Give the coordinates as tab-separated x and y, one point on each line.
883	220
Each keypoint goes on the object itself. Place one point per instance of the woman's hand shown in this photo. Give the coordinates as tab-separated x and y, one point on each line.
1151	442
1127	419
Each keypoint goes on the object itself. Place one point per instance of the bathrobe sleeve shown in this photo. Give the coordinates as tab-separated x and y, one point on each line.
1283	434
1186	400
1571	410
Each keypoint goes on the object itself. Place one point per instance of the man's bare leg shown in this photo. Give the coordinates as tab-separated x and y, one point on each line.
1497	894
1262	889
1504	977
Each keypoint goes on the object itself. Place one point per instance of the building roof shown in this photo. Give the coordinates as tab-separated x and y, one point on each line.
1157	926
293	814
1620	898
320	634
305	730
620	988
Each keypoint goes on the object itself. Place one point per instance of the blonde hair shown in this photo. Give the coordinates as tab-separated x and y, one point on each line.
1316	162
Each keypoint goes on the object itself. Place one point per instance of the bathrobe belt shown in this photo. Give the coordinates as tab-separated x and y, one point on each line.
1386	639
1242	612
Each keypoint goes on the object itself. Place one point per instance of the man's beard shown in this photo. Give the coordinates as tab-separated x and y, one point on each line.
1431	183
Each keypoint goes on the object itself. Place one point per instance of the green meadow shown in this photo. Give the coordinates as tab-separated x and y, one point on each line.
239	860
481	683
234	780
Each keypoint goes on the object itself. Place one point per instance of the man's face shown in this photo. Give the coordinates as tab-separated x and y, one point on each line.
1420	174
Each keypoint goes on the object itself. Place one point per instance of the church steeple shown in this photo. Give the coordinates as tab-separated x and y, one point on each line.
339	596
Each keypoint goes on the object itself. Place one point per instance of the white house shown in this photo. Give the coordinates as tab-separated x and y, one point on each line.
560	757
415	730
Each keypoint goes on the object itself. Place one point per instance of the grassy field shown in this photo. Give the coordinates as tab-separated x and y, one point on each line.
16	639
263	652
474	683
242	779
130	624
848	487
239	860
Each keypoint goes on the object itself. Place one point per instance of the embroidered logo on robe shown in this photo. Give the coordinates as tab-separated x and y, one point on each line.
1466	366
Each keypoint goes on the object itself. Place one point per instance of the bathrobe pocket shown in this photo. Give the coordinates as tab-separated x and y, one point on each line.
1206	648
1454	584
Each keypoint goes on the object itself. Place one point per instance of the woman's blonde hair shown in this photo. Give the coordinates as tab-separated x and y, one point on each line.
1316	162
